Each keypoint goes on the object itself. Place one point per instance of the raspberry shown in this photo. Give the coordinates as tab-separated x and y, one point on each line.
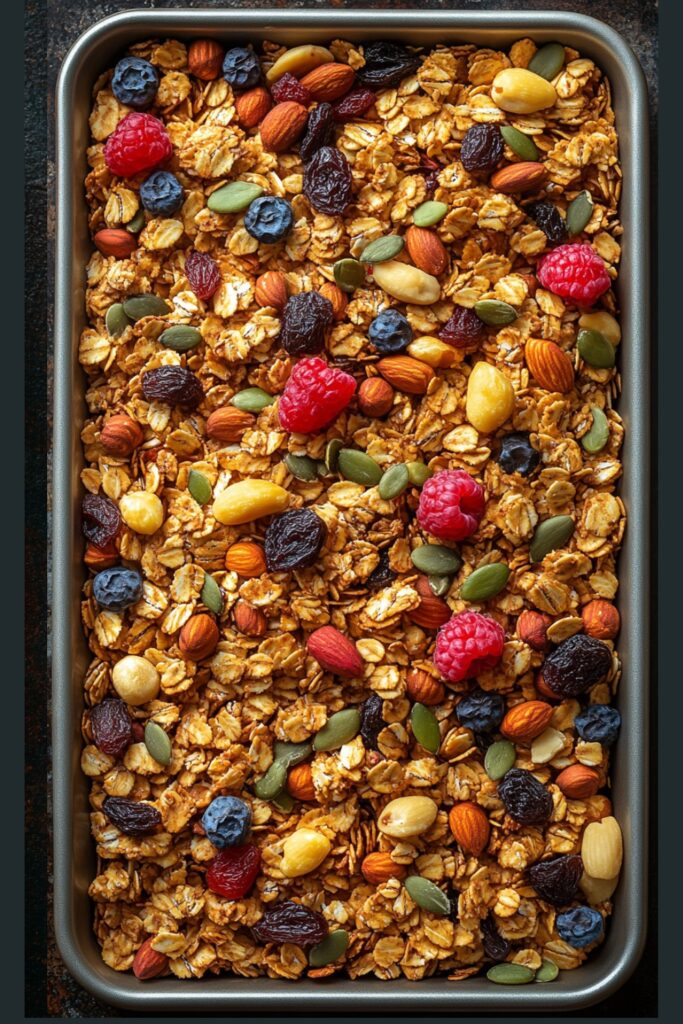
138	143
233	871
468	644
314	395
451	505
290	88
574	272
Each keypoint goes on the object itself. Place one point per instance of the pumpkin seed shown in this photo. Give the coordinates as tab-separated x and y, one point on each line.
598	435
290	754
330	949
429	213
338	730
425	728
332	453
233	197
211	595
440	585
494	312
521	145
579	212
358	467
382	249
284	801
139	306
499	758
157	742
550	534
272	783
252	400
427	895
180	337
136	223
418	473
322	468
116	320
548	61
485	582
595	349
394	482
301	466
435	559
548	971
349	274
510	974
199	487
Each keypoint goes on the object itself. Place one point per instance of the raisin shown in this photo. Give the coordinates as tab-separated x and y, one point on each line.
463	329
453	899
290	88
576	664
100	519
304	320
371	720
294	539
482	147
319	131
233	871
517	455
549	220
382	575
525	798
173	385
111	726
386	64
354	104
291	922
131	817
557	880
431	182
495	946
202	273
327	181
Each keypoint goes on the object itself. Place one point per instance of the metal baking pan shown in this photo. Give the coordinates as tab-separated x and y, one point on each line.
74	864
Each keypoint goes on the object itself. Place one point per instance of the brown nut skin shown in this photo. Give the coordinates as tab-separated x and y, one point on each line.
148	963
198	637
426	250
470	827
578	782
379	867
375	397
249	620
600	619
432	611
300	782
252	106
121	435
549	365
423	688
525	721
115	242
228	423
526	176
205	59
532	628
337	297
271	290
406	374
100	558
246	559
282	126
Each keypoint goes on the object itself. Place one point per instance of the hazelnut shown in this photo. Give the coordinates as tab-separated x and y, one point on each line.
532	628
120	436
142	511
338	299
249	620
375	397
423	688
271	289
300	782
135	679
600	619
205	59
198	637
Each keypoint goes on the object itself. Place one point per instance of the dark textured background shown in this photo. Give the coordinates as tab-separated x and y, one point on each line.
52	26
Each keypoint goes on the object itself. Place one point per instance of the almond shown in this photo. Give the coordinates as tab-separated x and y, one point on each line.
375	397
148	963
115	242
228	423
602	848
246	559
249	620
549	365
532	628
379	867
470	827
329	81
406	374
522	177
271	290
121	435
335	652
282	126
198	637
423	688
252	106
100	558
600	619
336	296
205	59
300	782
432	611
525	721
426	250
578	782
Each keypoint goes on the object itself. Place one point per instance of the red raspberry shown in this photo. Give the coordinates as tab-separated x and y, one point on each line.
451	505
290	88
233	871
138	143
574	272
468	644
314	395
202	273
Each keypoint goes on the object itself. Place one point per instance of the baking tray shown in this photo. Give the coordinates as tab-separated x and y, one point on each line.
74	853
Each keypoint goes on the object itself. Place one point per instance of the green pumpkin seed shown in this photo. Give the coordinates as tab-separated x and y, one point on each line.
338	730
510	974
284	801
158	743
290	754
211	595
499	758
579	212
598	435
116	320
139	306
136	223
435	559
199	487
382	249
322	468
485	582
440	585
427	895
301	466
394	482
551	534
595	349
181	337
358	467
548	971
418	473
272	783
349	274
252	400
521	145
332	453
495	313
330	949
235	196
425	728
548	61
429	213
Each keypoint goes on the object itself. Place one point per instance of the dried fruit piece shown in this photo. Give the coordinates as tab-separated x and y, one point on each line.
355	104
525	798
557	880
549	220
290	88
132	817
294	539
100	519
576	664
327	181
371	720
495	946
172	385
203	274
490	398
517	455
233	871
319	131
111	727
304	321
314	396
386	64
291	922
482	147
464	329
227	821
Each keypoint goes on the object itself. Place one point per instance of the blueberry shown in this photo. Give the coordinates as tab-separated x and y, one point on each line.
482	712
579	926
516	454
599	723
390	331
161	193
269	219
227	821
135	82
241	68
117	588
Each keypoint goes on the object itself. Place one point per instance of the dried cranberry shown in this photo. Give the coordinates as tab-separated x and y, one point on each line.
354	104
233	871
319	131
290	88
463	329
386	64
557	880
100	519
173	385
549	219
525	798
327	181
291	922
371	720
304	320
495	946
202	273
294	539
111	726
576	664
132	817
482	147
382	575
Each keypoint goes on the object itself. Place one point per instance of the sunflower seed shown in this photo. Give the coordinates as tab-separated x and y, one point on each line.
425	728
139	306
429	213
158	743
549	535
435	559
338	730
199	487
548	61
427	895
485	582
521	145
211	595
358	467
598	435
233	197
252	400
382	249
180	337
394	482
330	949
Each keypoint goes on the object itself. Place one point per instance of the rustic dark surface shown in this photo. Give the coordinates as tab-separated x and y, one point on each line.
52	27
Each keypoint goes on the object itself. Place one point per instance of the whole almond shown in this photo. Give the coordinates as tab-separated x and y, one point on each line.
205	59
252	106
282	126
336	296
335	652
228	423
271	290
375	397
432	611
121	435
532	628
522	177
329	81
406	374
198	637
249	620
470	827
578	782
426	250
602	848
423	688
115	242
147	962
525	721
300	782
379	867
100	558
549	365
246	559
600	619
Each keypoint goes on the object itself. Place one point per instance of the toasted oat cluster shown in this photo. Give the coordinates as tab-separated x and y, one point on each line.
349	510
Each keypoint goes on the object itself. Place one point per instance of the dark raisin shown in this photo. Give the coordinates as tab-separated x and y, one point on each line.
112	728
371	721
576	664
319	131
463	329
305	319
100	519
549	220
495	946
132	817
290	88
202	273
291	922
294	539
327	181
354	104
557	880
525	798
481	711
173	385
382	575
431	182
516	454
386	64
483	741
453	899
482	147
